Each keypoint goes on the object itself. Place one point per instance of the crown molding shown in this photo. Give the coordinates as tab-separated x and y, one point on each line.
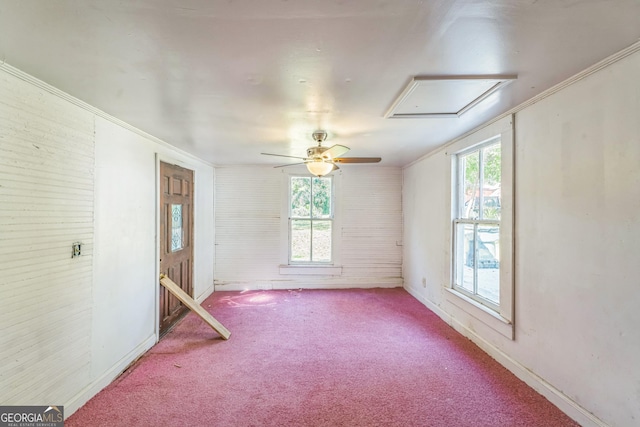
612	59
15	72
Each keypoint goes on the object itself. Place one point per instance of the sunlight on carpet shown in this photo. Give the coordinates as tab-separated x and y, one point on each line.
353	357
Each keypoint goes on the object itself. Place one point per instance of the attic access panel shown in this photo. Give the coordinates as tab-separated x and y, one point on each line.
444	96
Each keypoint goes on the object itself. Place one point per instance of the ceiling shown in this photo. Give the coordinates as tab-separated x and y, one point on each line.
227	80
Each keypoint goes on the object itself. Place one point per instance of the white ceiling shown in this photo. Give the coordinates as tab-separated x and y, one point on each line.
226	80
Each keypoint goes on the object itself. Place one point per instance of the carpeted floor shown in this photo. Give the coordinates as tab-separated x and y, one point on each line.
372	357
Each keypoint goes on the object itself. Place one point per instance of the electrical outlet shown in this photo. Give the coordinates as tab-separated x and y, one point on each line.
76	249
424	282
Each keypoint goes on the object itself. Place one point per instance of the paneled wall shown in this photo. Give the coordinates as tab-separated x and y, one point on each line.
247	223
577	229
371	235
46	204
251	229
71	173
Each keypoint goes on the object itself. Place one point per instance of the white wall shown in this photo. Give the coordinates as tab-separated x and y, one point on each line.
125	267
577	232
69	172
251	229
46	204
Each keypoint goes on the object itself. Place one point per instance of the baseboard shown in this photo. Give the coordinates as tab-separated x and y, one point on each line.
203	296
555	396
293	284
105	379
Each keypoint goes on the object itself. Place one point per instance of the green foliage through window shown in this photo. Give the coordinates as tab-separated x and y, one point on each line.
480	174
477	224
311	219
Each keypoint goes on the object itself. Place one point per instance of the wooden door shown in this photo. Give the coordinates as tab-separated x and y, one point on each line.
176	235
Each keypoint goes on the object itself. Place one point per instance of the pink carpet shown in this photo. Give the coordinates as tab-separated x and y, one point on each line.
318	358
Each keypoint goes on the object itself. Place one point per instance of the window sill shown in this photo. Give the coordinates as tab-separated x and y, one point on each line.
480	312
311	270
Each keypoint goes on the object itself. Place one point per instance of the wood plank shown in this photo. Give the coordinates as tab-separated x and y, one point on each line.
194	306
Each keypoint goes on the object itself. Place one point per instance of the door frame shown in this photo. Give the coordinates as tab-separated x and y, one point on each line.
161	157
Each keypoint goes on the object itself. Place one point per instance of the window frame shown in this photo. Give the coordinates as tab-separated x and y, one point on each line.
459	218
467	309
291	218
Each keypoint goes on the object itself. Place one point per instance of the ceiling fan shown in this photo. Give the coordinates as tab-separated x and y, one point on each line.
321	160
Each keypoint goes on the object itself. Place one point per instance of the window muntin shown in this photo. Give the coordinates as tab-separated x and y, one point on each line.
310	219
477	223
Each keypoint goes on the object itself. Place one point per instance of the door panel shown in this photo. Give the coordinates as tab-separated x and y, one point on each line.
176	232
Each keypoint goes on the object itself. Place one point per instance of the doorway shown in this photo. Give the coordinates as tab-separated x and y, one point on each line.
176	237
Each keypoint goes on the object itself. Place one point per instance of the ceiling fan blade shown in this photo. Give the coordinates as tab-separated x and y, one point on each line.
282	155
335	151
357	160
290	164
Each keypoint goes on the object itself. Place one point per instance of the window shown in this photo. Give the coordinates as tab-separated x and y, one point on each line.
482	217
477	223
176	228
311	215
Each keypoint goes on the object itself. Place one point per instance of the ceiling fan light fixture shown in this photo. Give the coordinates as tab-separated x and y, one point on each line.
319	167
321	160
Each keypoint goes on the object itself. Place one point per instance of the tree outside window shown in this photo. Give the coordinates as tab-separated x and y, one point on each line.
477	223
310	219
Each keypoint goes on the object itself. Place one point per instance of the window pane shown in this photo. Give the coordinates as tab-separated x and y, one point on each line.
300	197
321	198
488	250
465	255
491	182
321	241
176	228
300	240
458	254
470	180
477	234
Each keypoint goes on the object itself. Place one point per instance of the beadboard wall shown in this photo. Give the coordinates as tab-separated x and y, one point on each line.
71	173
371	235
251	229
46	204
